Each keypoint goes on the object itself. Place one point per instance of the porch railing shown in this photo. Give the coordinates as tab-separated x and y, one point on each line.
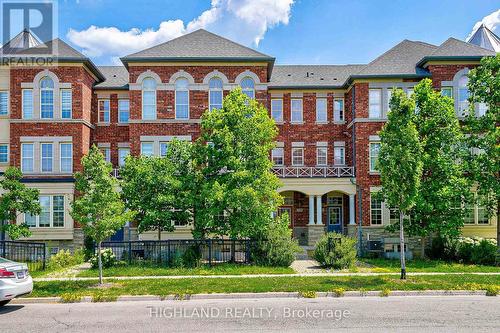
310	172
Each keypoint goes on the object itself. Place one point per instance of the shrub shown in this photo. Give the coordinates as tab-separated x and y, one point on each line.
64	258
192	257
276	247
108	259
336	251
88	247
444	248
484	253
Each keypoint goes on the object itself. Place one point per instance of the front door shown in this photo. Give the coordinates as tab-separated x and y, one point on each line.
335	219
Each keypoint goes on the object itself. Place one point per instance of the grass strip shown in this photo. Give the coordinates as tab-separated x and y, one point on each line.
163	287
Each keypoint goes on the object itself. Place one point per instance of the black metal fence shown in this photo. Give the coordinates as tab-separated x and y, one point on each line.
33	254
175	252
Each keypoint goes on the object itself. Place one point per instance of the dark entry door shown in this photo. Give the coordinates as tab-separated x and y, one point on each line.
335	219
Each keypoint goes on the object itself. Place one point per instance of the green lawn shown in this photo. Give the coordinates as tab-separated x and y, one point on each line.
419	265
165	287
221	269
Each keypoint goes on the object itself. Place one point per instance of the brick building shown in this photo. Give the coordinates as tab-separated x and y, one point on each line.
328	117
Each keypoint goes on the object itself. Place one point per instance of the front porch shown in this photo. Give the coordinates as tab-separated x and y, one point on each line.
318	205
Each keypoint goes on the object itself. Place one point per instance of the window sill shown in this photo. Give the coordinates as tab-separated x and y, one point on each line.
279	122
103	124
374	173
321	122
296	123
342	122
123	124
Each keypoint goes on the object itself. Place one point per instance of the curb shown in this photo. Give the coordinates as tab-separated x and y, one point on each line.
371	293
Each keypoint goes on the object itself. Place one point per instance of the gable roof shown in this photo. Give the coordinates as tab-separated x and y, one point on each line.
311	76
399	61
198	45
455	49
485	38
116	77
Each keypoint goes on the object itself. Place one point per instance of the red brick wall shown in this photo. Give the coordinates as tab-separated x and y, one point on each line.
81	83
445	73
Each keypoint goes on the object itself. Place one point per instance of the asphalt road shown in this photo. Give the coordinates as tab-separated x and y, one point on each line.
347	314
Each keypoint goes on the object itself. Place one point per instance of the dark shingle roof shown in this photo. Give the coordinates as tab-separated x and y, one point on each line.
457	48
116	77
199	44
314	76
400	60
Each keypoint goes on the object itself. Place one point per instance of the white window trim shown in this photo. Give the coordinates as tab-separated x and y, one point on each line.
51	213
272	111
318	149
8	153
248	89
343	155
301	121
119	111
213	90
53	99
373	171
22	104
175	99
282	156
71	102
32	158
102	111
302	150
342	110
379	103
8	103
41	157
61	158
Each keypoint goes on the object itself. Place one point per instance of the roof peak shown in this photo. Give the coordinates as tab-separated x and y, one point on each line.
485	38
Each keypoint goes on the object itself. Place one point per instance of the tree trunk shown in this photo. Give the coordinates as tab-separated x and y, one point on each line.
402	246
99	261
159	233
498	227
422	247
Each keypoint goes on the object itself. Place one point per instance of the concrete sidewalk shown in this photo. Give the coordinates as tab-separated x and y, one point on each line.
245	276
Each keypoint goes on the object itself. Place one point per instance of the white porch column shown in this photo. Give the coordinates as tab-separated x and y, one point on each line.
311	209
319	211
352	221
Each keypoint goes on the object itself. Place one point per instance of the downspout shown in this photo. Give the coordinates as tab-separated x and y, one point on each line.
358	188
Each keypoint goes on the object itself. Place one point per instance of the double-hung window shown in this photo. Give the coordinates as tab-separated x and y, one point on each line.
298	156
149	99
27	103
106	152
66	156
47	153
181	99
44	217
375	103
104	111
4	103
321	156
277	156
163	149
46	98
147	149
123	111
27	157
374	151
4	153
389	97
463	95
277	110
338	110
296	111
375	209
215	93
66	104
339	155
321	113
122	154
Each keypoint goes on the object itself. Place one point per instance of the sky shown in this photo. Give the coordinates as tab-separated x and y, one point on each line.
293	31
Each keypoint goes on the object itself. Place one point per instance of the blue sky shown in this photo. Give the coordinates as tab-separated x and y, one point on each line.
295	32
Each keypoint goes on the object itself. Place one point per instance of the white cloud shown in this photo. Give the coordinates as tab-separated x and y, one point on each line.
245	21
491	21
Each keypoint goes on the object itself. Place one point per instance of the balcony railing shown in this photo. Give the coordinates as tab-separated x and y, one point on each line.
311	172
301	172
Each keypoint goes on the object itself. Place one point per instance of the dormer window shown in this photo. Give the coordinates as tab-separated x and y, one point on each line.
248	87
149	99
46	98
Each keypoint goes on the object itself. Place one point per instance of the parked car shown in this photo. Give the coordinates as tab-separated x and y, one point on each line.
15	280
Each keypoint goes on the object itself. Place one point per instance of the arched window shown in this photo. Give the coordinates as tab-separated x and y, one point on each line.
181	98
149	99
248	87
215	94
46	98
463	94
